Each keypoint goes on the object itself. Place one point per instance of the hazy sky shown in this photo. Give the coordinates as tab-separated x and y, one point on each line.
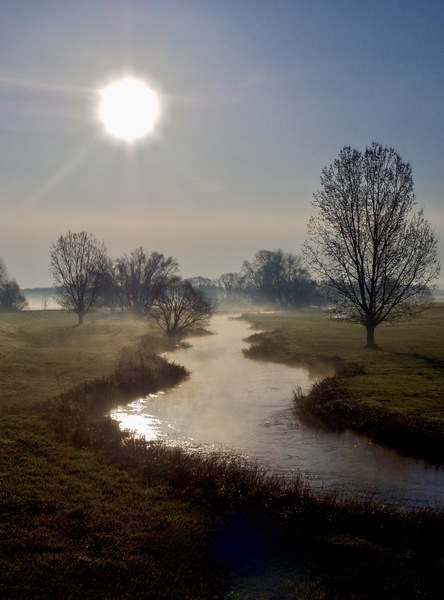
257	97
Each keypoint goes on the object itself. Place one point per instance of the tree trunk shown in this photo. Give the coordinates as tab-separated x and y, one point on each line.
80	318
371	337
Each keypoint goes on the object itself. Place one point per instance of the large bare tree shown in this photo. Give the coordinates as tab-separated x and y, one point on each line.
377	255
78	263
179	307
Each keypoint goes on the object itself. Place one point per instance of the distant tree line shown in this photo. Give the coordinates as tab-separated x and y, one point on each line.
273	277
11	296
145	284
135	282
149	283
277	277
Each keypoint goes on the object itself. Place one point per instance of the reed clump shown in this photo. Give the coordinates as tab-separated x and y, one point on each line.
329	403
79	414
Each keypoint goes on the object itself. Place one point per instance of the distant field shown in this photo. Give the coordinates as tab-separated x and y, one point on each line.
45	352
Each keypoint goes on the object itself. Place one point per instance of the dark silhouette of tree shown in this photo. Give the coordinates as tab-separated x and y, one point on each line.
295	286
111	295
179	307
141	276
376	255
279	277
262	276
232	286
206	285
11	297
78	263
3	273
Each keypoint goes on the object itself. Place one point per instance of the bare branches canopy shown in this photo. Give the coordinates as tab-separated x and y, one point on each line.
78	263
377	256
140	275
179	307
3	272
141	282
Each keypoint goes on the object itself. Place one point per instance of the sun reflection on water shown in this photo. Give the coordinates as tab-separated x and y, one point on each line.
134	417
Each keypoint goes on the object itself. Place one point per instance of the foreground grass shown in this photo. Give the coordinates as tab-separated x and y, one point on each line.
395	393
73	523
87	511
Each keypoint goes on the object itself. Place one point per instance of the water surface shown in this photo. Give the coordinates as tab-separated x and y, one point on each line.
234	403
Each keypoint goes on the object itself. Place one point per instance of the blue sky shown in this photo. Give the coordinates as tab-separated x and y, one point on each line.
257	97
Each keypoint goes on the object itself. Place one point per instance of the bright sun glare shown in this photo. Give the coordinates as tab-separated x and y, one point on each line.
128	109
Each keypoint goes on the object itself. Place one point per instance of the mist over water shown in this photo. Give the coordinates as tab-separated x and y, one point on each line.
41	300
237	404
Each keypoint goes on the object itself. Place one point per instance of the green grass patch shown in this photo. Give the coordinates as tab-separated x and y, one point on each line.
395	393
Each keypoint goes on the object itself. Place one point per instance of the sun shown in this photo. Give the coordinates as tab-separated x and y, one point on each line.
128	109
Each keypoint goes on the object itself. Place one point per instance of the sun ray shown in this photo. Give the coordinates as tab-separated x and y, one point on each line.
67	168
42	86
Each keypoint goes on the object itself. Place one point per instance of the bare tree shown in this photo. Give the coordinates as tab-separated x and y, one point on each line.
262	275
11	297
141	275
297	287
77	265
111	294
279	277
210	287
377	256
3	272
232	287
179	307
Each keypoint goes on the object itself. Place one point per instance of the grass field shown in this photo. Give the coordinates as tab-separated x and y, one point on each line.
72	523
122	519
403	381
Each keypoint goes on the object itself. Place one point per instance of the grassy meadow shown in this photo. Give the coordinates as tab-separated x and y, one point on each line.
73	524
401	383
87	511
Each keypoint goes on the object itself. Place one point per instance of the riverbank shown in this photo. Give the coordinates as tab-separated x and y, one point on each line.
393	394
87	510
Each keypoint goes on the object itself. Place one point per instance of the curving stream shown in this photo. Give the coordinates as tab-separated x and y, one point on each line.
234	403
